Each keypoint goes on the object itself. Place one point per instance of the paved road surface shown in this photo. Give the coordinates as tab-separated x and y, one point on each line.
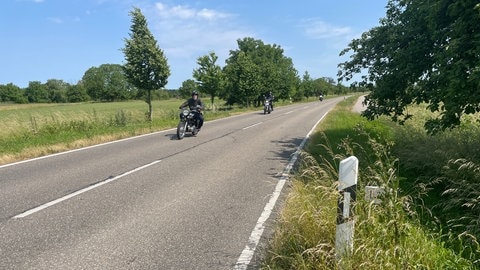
154	202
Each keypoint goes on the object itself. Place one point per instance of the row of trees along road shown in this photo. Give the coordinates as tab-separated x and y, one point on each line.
423	51
250	71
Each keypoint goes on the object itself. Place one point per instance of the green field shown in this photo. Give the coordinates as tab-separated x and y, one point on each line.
19	118
32	130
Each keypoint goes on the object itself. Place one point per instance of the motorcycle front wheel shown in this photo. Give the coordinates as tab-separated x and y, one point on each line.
181	129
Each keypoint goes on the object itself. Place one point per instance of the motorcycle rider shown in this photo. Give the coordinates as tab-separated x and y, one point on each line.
270	97
192	103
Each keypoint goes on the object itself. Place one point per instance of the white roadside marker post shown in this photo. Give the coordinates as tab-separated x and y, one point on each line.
348	174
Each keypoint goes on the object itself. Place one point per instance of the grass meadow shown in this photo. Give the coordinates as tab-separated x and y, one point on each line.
32	130
428	215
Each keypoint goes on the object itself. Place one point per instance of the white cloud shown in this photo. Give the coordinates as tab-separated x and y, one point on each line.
184	12
187	32
55	20
317	29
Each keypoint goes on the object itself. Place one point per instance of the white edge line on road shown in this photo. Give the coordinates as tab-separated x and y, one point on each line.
78	192
249	250
84	148
101	144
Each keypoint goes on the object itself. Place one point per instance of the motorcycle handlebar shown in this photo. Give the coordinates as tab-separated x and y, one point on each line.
198	108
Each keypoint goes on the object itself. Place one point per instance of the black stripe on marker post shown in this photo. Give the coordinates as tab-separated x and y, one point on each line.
352	190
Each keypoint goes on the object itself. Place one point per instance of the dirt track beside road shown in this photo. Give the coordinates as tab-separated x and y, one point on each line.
358	107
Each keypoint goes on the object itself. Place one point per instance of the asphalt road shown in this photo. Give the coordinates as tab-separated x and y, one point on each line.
155	202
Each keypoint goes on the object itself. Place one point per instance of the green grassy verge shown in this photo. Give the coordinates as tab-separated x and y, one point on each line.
33	130
402	232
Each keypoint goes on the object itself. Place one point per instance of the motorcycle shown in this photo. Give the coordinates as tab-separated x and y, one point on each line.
267	107
320	98
188	122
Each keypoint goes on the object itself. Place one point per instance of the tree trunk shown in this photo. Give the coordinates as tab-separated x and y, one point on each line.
149	102
212	98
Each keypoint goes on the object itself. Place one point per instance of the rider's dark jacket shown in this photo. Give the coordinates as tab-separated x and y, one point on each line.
192	103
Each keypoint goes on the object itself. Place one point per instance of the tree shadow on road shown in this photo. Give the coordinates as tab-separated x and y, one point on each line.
286	152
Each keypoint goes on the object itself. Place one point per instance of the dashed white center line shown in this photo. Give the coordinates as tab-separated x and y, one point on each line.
252	125
78	192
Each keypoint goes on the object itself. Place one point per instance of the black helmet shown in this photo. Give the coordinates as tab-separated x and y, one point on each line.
194	93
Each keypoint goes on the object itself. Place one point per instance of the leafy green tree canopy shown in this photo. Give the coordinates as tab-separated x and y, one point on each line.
255	68
146	66
12	93
36	92
57	90
187	88
324	86
77	93
423	51
307	87
209	75
108	83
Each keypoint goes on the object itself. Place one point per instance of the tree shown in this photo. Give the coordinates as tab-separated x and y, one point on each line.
209	75
12	93
57	90
187	88
93	83
36	92
108	83
244	80
77	93
146	66
423	51
256	68
325	86
307	86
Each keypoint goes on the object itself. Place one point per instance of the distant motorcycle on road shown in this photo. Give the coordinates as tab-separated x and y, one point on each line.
188	122
267	106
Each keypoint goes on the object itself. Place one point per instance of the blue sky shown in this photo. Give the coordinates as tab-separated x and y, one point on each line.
61	39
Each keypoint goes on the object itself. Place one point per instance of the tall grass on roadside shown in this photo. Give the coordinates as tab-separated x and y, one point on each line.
303	238
445	167
387	235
